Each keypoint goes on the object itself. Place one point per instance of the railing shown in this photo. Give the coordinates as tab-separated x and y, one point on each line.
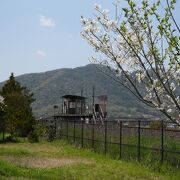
125	139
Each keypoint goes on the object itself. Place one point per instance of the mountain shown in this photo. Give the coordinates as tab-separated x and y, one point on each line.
48	87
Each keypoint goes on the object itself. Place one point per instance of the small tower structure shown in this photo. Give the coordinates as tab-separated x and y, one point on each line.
74	109
73	105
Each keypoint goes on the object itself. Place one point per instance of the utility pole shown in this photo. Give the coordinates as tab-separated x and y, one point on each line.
62	104
93	96
81	100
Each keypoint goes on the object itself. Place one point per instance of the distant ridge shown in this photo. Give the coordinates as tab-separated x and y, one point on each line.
48	87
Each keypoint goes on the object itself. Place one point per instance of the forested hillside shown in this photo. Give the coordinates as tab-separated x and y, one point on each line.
48	87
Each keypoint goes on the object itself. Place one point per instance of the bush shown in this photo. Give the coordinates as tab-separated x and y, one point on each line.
11	138
51	133
157	125
41	130
33	137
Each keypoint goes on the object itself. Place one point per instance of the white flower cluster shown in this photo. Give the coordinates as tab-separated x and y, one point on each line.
90	25
129	49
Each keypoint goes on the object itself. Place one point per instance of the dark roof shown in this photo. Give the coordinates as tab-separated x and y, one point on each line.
73	97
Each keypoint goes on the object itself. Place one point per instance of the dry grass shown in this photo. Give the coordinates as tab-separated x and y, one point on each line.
42	162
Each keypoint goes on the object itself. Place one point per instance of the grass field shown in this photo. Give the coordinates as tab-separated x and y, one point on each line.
59	160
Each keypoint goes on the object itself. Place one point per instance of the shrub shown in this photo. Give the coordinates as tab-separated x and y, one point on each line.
41	130
157	125
33	137
51	133
11	138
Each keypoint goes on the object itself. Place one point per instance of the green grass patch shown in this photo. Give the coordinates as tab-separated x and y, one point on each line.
98	166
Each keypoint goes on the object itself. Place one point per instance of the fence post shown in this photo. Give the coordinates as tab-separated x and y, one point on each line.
67	129
82	134
162	141
105	137
139	141
74	131
120	140
60	128
55	125
93	135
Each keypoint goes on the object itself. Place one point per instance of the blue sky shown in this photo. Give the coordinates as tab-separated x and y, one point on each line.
42	35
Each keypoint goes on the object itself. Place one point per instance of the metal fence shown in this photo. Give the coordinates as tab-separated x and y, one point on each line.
125	139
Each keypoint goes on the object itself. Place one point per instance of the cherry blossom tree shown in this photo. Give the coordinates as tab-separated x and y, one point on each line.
142	45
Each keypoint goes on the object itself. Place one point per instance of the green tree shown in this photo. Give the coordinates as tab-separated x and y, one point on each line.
18	111
2	119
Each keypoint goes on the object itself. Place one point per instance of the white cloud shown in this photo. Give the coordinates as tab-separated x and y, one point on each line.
46	22
40	54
